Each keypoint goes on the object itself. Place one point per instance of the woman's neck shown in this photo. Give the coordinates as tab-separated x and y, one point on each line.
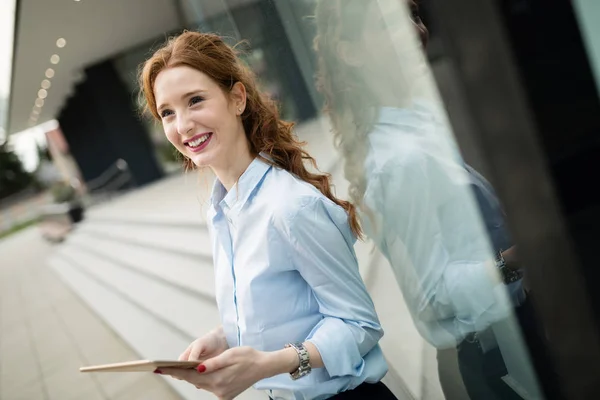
239	161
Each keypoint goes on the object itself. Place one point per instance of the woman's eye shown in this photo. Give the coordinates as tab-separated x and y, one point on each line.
195	100
165	113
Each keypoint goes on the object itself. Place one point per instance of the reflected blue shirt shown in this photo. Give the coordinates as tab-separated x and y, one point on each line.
286	271
438	223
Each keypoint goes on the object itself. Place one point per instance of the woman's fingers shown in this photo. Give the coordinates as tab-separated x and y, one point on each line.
185	356
214	364
197	350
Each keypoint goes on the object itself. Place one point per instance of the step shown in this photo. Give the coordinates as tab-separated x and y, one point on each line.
183	311
187	241
139	329
185	273
146	334
173	219
179	195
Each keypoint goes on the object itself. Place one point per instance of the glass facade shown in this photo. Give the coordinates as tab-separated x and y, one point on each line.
386	107
443	256
362	80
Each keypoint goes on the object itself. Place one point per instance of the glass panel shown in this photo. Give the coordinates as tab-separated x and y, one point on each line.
433	219
435	228
357	79
438	258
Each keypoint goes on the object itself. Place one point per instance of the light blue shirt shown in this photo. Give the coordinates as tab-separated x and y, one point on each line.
425	219
286	271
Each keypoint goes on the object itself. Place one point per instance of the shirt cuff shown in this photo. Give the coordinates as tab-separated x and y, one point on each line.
338	348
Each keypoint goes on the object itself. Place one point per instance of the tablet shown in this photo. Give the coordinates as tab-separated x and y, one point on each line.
140	366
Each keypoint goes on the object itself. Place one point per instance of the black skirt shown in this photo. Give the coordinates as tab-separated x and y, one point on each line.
366	391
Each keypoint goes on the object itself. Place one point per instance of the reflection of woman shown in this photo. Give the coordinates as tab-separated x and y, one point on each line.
288	289
422	206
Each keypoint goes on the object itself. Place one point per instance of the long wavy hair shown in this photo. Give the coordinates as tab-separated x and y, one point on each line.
349	101
265	131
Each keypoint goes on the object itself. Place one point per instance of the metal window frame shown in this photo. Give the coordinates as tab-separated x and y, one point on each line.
474	35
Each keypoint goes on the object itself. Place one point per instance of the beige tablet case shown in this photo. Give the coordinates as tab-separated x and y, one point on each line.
140	366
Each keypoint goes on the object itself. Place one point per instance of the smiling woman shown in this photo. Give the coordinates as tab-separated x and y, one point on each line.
297	320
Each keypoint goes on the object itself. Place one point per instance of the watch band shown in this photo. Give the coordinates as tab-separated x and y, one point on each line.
508	275
304	368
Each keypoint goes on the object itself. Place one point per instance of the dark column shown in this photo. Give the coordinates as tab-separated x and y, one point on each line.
84	131
101	124
121	122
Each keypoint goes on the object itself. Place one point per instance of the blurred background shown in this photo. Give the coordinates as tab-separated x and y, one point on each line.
104	251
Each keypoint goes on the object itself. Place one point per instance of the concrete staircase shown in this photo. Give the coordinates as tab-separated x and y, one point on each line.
147	273
143	263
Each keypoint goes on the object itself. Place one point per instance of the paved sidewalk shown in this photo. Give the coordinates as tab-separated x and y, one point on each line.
47	333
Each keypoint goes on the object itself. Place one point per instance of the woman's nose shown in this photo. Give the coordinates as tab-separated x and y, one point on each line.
184	125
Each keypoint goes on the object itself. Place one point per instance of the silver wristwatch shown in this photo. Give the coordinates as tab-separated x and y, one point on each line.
304	368
508	275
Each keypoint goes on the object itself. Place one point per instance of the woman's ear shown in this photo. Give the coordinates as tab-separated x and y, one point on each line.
349	53
238	97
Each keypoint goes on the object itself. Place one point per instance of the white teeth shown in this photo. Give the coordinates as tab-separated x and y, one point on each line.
198	142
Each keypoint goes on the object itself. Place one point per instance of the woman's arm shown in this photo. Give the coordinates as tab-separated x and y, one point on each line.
286	360
511	258
322	250
429	215
238	368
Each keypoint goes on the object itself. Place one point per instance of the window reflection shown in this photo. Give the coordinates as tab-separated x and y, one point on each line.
437	221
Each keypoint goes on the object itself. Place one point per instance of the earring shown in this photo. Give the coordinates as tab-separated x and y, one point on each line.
239	110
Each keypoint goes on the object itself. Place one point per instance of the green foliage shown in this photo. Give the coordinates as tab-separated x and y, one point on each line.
62	192
18	227
13	177
167	153
43	154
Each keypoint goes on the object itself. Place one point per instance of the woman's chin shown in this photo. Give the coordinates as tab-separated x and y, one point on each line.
200	160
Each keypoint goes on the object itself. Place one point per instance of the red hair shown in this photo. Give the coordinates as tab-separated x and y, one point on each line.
265	131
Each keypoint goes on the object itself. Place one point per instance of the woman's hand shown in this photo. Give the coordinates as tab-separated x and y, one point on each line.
208	346
236	369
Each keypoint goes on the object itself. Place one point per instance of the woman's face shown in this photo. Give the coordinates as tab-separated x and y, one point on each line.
198	118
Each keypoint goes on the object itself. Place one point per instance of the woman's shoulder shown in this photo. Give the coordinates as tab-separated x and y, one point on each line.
291	197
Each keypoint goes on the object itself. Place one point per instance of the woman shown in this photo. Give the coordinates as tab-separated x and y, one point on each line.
297	320
421	204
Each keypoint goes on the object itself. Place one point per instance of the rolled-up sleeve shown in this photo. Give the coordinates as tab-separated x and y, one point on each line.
323	253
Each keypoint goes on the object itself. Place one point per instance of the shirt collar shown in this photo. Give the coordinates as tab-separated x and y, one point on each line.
241	191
